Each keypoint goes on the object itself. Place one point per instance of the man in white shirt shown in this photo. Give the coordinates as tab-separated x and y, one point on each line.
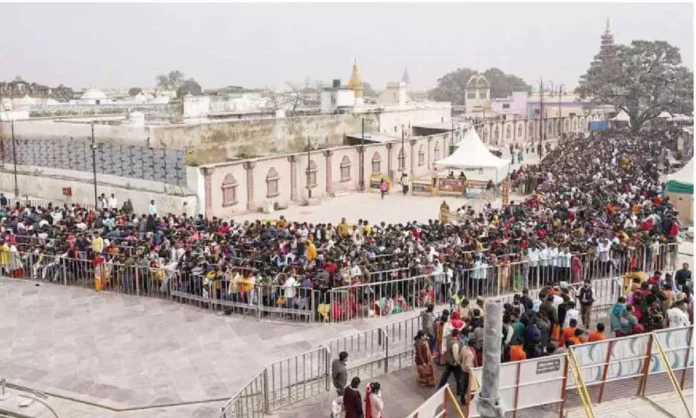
152	209
554	264
533	253
603	255
289	288
113	203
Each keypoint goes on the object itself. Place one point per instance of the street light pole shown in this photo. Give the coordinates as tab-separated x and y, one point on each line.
309	186
94	168
14	158
560	114
362	156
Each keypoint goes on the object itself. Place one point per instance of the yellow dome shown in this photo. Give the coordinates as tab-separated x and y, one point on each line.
355	83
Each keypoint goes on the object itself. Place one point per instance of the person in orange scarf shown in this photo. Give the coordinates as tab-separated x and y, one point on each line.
568	332
598	335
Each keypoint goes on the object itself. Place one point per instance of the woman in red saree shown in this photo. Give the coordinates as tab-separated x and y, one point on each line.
425	368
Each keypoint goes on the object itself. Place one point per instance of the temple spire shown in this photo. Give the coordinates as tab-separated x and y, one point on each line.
608	25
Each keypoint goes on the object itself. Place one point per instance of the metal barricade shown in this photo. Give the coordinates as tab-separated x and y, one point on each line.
251	401
297	378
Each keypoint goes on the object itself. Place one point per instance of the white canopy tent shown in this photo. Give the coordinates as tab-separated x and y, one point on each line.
472	154
664	115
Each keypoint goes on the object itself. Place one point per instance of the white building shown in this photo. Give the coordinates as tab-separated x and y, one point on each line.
478	95
395	94
336	97
94	97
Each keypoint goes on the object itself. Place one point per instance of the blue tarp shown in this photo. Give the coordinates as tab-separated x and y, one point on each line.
598	125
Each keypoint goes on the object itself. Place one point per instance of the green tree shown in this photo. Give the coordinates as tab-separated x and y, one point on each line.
133	91
502	85
645	79
189	86
171	81
452	86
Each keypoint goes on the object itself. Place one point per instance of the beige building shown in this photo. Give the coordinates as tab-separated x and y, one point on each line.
241	186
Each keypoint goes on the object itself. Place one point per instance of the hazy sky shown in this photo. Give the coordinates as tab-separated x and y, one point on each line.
125	45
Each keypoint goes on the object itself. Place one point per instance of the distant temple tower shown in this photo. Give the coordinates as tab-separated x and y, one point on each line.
607	50
355	83
405	78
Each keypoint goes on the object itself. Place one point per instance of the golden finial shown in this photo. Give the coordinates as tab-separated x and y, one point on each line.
608	24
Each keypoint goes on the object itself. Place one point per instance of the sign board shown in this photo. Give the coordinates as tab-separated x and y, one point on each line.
422	188
451	185
548	366
475	188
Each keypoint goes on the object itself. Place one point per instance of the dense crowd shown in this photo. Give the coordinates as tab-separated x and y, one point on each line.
596	201
546	325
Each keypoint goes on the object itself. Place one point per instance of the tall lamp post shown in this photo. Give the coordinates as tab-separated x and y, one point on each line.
94	168
362	157
14	158
309	185
541	114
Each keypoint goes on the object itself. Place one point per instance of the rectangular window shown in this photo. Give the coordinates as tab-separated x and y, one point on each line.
571	114
484	95
345	173
506	106
471	95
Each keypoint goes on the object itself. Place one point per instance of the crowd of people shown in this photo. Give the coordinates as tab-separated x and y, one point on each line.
596	203
546	325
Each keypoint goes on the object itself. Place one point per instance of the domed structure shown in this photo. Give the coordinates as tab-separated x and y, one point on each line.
94	96
355	83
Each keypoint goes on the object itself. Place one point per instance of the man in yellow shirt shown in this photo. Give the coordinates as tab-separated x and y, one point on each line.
97	244
4	257
343	228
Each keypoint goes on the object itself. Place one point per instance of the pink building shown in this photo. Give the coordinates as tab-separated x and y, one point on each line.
513	105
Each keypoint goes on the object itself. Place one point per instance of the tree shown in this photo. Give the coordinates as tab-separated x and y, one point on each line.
171	81
189	86
502	85
645	79
452	86
133	91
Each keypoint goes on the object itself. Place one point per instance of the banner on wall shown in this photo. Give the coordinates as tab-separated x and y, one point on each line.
422	188
475	188
448	185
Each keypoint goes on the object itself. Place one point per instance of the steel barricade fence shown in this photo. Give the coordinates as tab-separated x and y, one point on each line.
12	202
251	401
297	378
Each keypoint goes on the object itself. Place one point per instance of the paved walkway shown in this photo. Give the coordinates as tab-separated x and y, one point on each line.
127	352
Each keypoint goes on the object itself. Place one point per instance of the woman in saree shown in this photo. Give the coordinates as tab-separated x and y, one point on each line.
425	368
439	333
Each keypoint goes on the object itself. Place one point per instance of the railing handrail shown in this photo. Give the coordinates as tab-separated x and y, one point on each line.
670	373
580	385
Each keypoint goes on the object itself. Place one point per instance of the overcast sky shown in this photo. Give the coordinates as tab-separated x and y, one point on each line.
125	45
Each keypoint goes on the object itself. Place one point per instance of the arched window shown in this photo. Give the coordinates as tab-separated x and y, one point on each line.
565	125
485	134
437	151
402	159
272	183
530	131
508	132
376	163
550	127
311	173
345	169
575	124
519	131
229	190
421	156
